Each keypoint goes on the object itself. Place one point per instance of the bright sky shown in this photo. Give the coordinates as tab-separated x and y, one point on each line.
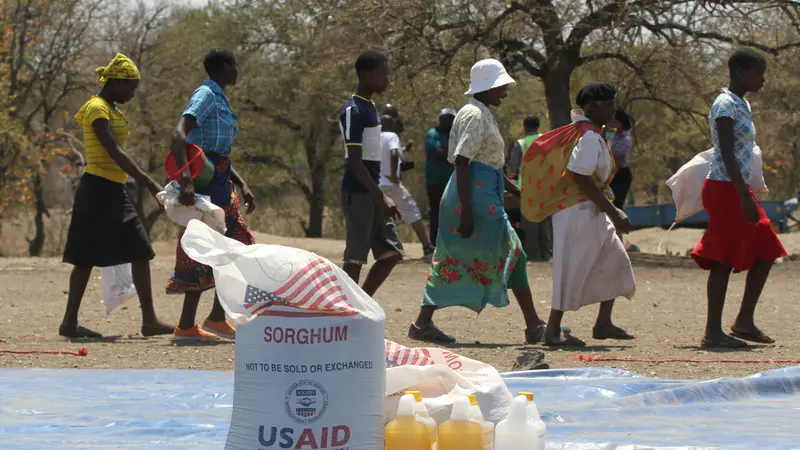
177	2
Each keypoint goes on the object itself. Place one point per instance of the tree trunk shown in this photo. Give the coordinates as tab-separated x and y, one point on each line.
557	95
316	197
36	244
316	209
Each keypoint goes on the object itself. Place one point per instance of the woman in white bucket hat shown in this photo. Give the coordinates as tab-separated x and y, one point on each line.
478	255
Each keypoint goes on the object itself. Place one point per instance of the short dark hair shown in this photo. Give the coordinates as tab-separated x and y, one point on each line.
531	123
391	110
624	119
216	59
745	59
369	61
388	122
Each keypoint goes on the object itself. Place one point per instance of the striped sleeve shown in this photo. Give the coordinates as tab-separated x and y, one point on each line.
352	125
97	109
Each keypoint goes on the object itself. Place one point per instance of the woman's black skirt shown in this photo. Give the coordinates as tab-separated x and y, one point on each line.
105	229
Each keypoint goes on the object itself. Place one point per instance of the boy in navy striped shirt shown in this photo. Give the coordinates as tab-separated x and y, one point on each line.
369	213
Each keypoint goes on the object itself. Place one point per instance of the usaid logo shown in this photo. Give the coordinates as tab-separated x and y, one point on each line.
306	402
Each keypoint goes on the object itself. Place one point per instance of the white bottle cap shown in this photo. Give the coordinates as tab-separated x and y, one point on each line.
406	408
460	409
519	410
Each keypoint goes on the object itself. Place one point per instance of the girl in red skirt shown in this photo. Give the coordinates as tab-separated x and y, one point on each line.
739	235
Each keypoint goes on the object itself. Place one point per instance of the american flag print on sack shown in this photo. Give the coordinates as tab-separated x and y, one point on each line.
398	355
311	292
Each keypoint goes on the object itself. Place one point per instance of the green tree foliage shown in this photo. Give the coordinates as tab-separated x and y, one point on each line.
296	60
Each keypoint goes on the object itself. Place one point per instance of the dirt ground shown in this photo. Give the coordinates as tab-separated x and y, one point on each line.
667	315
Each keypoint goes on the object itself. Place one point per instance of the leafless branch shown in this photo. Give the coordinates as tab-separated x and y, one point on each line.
277	118
279	163
662	29
697	117
597	19
637	68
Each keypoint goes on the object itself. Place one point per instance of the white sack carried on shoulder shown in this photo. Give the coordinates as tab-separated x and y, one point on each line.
757	183
117	282
687	183
442	376
309	370
202	210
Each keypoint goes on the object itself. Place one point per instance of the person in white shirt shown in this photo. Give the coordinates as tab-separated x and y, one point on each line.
391	157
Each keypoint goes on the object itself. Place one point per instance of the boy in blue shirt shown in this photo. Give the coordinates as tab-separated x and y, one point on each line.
369	213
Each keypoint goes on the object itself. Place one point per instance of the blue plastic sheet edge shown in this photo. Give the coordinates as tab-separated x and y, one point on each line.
593	408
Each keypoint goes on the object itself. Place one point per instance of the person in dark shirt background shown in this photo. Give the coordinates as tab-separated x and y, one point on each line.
537	237
369	213
437	168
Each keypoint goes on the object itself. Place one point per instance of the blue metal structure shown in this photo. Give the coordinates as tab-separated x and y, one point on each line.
664	215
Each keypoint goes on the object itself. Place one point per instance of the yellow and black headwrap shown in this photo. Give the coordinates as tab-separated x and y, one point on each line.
120	68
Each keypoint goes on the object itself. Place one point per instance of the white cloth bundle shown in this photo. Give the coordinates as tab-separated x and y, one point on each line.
687	183
202	210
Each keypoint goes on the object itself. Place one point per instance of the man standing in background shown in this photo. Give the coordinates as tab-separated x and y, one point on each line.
537	237
369	213
391	110
437	168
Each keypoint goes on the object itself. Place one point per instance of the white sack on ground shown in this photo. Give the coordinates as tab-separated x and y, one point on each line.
310	369
442	376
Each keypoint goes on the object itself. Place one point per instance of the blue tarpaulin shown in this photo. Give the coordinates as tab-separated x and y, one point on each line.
583	409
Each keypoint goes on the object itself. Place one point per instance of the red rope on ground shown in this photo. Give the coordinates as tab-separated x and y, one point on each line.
586	358
81	352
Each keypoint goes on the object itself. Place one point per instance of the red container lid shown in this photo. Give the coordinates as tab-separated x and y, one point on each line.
196	160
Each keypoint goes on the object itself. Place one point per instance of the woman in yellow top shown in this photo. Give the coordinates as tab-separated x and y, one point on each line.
106	229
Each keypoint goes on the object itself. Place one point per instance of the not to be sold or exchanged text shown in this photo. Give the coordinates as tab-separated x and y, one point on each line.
310	368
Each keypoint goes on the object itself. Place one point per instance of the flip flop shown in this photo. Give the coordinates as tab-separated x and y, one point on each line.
726	342
758	337
78	333
569	341
611	333
535	335
157	331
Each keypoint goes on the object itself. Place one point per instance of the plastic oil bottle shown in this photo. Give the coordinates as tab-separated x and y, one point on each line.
460	432
406	432
516	432
534	417
422	414
488	427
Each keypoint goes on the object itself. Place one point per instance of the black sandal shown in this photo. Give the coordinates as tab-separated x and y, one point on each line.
724	342
535	335
568	341
611	333
430	333
758	336
78	333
